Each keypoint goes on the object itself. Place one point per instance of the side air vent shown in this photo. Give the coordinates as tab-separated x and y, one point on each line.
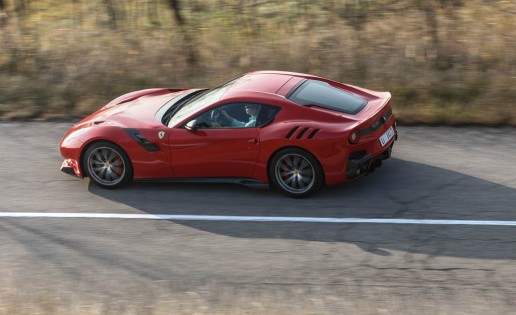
306	132
140	139
300	135
291	132
313	133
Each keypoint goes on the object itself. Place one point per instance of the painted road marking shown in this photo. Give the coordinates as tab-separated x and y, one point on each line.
180	217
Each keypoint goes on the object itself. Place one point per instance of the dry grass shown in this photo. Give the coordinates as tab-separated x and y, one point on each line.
445	62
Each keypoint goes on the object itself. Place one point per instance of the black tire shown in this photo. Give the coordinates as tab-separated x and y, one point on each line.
296	172
107	165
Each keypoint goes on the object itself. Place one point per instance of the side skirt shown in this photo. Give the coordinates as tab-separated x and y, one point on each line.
248	182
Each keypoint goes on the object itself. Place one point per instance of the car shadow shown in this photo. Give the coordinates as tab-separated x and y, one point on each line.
399	189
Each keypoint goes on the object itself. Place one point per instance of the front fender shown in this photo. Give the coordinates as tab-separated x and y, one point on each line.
146	163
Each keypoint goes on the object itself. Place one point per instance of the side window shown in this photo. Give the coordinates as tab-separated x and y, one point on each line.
266	115
235	115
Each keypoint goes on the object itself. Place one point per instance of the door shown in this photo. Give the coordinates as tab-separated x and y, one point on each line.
218	148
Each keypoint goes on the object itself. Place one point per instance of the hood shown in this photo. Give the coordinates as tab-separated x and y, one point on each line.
134	110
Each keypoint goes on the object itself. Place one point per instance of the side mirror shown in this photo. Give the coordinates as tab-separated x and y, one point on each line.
192	125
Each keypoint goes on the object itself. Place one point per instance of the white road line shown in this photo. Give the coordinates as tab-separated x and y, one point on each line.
247	218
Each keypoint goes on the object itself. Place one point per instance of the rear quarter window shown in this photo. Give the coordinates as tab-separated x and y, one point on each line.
319	93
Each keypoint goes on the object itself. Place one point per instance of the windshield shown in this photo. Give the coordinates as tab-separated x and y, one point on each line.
199	102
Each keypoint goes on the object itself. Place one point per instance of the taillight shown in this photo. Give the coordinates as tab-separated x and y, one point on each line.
354	137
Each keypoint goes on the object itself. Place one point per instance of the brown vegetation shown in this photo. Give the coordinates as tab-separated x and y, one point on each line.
444	61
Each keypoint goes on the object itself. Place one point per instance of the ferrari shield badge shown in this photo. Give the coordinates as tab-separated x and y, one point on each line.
161	134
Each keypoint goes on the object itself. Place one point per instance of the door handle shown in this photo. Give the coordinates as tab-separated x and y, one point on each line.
254	141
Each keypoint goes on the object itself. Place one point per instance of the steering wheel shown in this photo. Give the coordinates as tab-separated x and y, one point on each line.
218	117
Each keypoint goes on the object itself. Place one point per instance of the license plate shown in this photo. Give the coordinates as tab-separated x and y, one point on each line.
387	136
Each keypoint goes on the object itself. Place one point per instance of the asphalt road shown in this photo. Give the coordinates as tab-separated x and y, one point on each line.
99	266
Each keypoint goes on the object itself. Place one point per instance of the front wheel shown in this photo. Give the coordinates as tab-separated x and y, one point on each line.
107	165
296	172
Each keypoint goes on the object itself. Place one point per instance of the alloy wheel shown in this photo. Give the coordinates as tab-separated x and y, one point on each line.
294	173
106	166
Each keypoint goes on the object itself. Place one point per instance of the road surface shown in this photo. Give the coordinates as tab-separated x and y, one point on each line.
58	265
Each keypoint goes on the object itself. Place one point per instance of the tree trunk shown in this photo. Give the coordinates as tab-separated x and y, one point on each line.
191	50
176	7
431	22
3	13
110	7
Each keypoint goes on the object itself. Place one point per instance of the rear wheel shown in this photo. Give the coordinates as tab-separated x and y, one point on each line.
107	165
295	172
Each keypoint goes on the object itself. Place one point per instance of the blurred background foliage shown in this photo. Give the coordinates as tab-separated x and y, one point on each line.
444	61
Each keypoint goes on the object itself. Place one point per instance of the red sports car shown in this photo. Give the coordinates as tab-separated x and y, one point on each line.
295	131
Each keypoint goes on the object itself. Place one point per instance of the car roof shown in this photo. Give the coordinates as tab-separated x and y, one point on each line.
270	82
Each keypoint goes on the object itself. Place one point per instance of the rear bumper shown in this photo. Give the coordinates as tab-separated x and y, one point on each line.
358	164
362	163
377	162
